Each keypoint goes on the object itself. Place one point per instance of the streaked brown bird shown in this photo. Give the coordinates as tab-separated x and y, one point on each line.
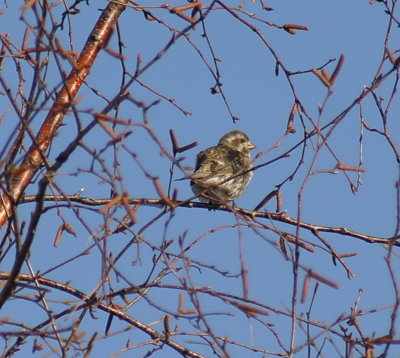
216	177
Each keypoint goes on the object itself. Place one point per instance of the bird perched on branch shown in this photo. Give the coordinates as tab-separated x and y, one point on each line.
221	172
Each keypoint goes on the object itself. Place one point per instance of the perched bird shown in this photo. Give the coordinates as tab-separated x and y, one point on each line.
216	177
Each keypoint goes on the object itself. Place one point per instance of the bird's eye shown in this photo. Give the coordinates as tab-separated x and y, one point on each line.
242	140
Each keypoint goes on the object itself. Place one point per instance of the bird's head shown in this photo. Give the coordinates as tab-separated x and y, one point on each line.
237	140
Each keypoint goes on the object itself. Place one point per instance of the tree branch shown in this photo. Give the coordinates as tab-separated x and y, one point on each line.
280	217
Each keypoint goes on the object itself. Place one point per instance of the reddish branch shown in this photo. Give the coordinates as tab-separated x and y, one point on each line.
34	158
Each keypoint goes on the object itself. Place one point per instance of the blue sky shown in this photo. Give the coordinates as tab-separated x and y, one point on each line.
263	101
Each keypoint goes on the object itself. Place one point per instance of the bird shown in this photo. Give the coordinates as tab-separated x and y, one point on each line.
217	176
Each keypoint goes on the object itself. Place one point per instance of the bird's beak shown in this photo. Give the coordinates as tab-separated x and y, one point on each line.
251	146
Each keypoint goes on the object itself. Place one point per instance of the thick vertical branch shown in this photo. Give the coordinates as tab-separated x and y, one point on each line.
34	158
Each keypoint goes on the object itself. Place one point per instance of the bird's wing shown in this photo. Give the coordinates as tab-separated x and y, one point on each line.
212	163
